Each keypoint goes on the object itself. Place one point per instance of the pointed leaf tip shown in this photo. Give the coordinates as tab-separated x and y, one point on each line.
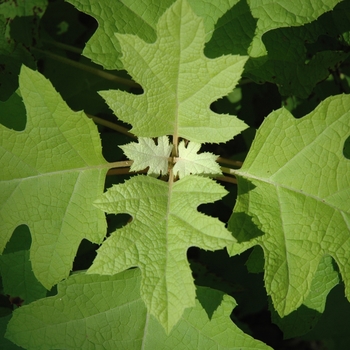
165	224
294	190
175	100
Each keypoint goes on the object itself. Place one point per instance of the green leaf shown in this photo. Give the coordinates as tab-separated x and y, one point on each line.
175	71
87	314
138	18
278	35
189	162
165	224
283	13
12	9
298	62
18	278
146	153
12	113
19	23
294	192
51	173
300	321
332	329
5	343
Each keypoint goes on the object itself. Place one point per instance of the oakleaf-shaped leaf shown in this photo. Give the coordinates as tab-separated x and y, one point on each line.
18	278
283	13
146	153
190	162
86	314
179	82
165	224
119	17
50	174
294	190
300	321
139	18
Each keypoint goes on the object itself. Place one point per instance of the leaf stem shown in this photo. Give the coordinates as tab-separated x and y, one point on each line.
235	163
99	72
63	46
111	125
228	179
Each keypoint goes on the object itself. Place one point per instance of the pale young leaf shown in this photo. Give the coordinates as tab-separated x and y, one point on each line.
190	162
146	153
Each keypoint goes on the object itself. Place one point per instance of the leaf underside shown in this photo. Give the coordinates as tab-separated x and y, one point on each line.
165	223
175	71
51	173
85	314
294	190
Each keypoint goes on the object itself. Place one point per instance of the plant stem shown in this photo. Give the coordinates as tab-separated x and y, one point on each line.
111	125
228	179
63	46
235	163
89	69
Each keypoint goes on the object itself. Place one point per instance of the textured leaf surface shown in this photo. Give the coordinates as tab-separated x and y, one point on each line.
16	271
87	314
136	17
175	71
12	9
18	278
297	60
284	13
300	321
165	224
146	153
190	162
51	173
294	190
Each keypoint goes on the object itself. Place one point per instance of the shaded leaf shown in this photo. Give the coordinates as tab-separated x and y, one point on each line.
18	278
283	13
138	18
302	320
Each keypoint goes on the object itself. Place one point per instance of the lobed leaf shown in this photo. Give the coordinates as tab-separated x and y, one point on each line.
299	62
189	162
18	278
86	314
284	13
138	18
293	201
179	82
51	173
146	153
302	320
165	223
280	37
